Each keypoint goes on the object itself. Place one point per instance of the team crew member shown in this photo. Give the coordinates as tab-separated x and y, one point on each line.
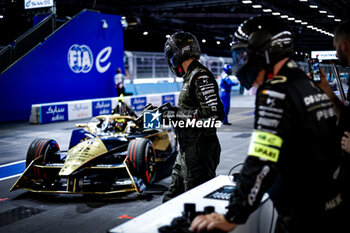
225	90
341	43
293	150
199	99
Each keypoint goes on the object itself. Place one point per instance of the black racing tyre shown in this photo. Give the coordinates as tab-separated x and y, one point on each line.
45	147
142	159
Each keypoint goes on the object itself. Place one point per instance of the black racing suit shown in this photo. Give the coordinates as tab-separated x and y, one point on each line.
293	155
199	146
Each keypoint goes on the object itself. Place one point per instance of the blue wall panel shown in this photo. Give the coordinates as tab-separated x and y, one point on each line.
77	62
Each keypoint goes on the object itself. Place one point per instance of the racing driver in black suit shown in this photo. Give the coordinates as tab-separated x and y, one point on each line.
293	154
201	107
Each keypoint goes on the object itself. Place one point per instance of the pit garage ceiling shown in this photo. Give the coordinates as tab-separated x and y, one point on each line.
312	21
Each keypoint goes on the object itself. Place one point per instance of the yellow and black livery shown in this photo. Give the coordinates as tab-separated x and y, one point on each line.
111	154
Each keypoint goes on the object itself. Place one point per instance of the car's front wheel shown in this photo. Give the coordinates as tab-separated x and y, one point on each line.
46	148
141	156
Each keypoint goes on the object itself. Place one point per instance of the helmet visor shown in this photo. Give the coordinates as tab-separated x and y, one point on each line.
239	55
169	55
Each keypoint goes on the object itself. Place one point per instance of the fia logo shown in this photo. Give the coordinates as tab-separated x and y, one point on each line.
80	58
151	120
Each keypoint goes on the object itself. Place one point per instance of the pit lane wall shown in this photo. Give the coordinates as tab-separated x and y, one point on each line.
78	61
83	109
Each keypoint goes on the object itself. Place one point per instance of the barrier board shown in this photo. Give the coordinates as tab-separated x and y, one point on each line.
83	109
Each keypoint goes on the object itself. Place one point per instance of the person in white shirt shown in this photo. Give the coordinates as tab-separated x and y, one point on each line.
119	82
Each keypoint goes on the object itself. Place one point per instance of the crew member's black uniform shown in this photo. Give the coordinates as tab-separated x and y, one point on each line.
199	146
292	155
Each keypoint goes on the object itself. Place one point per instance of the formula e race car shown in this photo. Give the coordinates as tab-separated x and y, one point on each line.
111	154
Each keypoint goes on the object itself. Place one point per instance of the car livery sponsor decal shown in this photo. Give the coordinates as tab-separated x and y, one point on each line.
82	153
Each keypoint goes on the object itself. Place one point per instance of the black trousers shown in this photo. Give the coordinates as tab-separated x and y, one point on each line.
194	165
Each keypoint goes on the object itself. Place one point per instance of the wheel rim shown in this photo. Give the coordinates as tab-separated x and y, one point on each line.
150	162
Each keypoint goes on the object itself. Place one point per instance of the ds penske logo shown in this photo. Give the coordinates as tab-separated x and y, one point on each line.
80	58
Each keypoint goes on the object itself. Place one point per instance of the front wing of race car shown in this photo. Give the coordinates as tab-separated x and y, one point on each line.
78	175
49	183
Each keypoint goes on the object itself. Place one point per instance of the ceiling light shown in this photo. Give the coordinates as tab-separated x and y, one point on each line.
337	20
167	36
284	16
145	33
267	10
302	0
276	13
256	6
323	12
313	6
298	21
247	2
330	16
303	23
218	42
309	26
203	41
291	18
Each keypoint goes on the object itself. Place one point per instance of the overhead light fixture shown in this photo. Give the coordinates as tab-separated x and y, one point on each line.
204	40
303	23
313	6
104	24
167	36
218	42
298	21
276	13
337	20
256	6
323	12
302	0
330	16
267	10
291	18
247	2
284	16
145	33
